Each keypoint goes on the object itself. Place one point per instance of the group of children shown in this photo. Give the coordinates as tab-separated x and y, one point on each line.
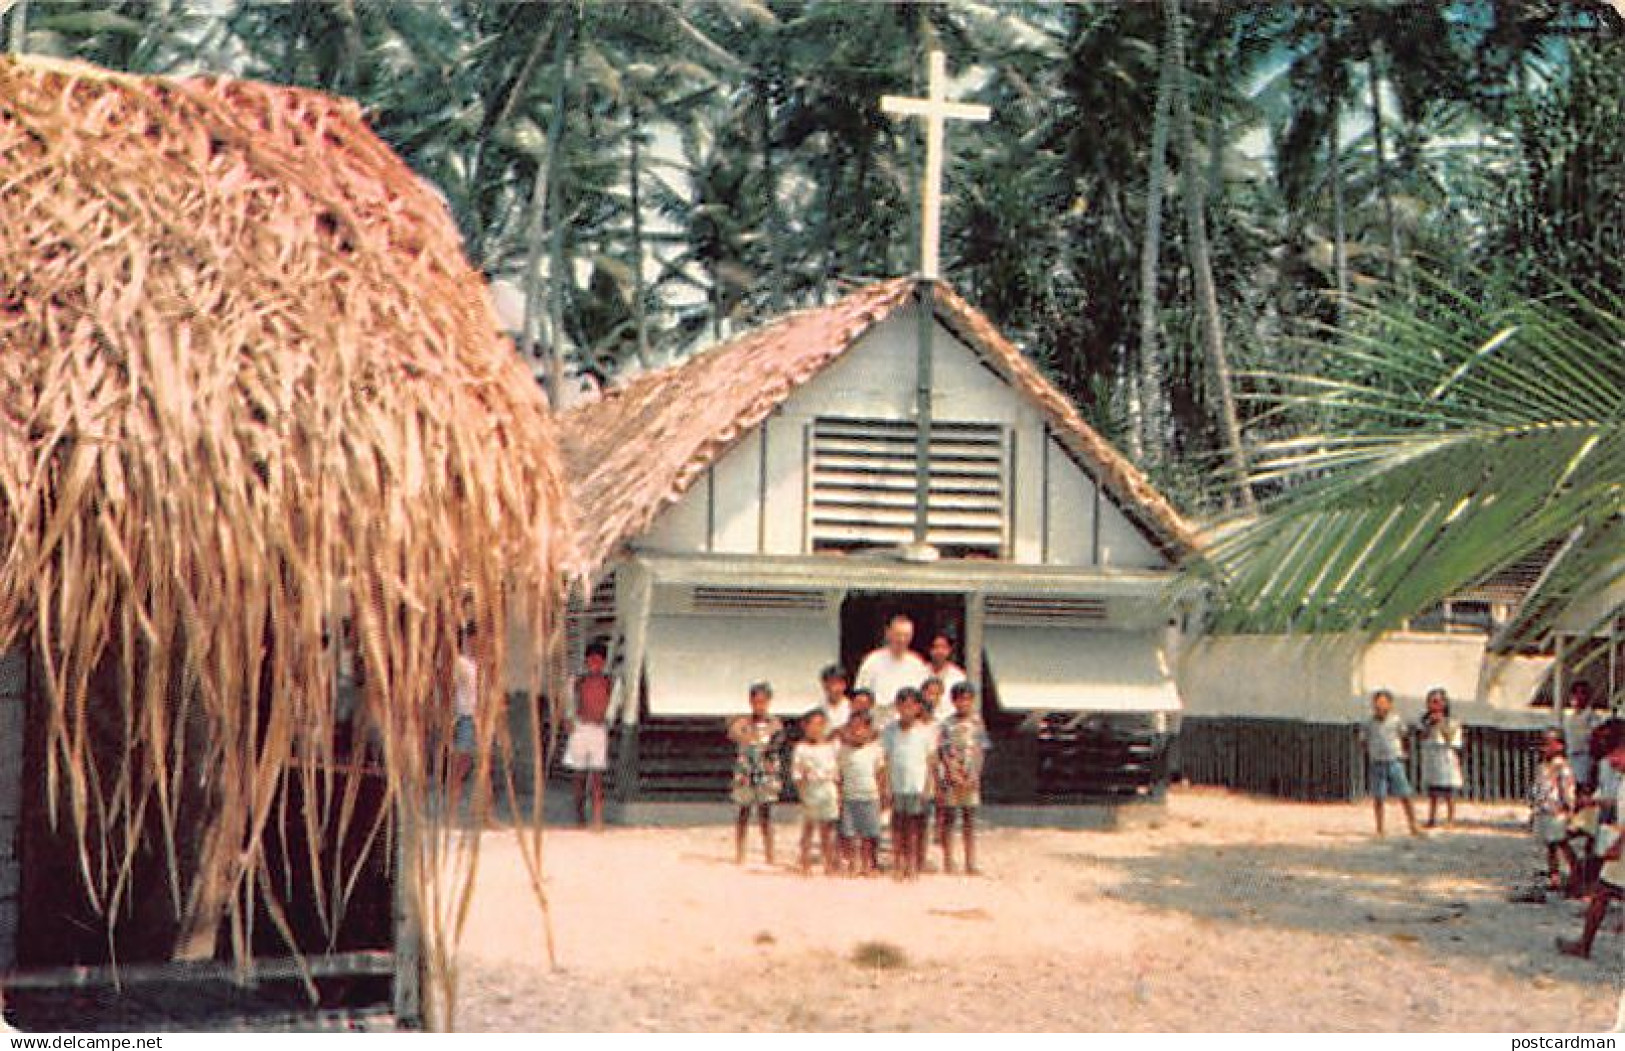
1576	814
1576	799
1439	739
855	762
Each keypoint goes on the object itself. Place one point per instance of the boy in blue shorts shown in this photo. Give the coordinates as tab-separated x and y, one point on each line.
1384	736
862	765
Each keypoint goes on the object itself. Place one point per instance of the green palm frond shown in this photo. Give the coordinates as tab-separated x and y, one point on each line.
1454	440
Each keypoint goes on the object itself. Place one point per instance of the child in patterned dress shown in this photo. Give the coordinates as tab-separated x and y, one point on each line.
758	780
813	769
961	752
1552	803
1440	741
1610	885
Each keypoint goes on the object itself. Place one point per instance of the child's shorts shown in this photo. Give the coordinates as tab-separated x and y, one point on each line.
1613	874
960	797
462	735
860	819
910	804
1551	829
1388	778
820	803
587	749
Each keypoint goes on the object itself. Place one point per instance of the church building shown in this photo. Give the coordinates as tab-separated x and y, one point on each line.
759	510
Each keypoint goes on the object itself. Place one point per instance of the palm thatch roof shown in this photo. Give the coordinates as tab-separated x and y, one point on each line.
247	381
635	451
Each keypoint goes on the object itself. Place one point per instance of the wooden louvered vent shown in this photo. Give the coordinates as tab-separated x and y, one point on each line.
862	492
713	599
1052	611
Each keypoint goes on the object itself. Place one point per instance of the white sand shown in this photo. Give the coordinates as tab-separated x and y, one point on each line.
1229	913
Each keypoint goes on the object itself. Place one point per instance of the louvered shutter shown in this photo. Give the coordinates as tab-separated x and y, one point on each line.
862	485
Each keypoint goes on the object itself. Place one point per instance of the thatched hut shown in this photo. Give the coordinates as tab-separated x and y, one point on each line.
256	420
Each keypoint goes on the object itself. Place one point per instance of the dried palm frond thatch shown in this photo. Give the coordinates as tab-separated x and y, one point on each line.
249	385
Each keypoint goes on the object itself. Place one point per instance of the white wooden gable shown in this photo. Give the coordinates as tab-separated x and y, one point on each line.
756	498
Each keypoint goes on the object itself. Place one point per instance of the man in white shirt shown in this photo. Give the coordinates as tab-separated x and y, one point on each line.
894	666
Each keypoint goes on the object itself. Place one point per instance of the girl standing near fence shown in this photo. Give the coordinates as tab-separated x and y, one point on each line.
1440	744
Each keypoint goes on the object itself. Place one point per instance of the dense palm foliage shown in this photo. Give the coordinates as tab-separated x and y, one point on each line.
1173	205
1455	438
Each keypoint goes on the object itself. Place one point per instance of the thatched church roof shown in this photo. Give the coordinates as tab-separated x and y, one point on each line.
247	379
635	451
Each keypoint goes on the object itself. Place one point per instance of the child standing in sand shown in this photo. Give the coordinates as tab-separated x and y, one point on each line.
961	751
758	779
1440	745
911	762
862	766
813	769
586	748
1552	802
1384	736
1611	881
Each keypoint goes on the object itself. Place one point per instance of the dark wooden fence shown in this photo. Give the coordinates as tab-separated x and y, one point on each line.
1320	762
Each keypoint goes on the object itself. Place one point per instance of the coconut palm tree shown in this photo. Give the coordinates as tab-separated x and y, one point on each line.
1458	438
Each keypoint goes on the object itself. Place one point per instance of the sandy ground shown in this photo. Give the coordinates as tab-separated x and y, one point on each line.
1225	913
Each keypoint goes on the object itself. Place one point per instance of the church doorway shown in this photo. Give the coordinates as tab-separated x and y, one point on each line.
864	615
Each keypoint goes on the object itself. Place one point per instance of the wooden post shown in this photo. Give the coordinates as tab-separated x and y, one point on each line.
13	687
922	418
407	994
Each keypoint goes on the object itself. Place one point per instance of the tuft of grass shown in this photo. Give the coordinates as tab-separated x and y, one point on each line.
879	956
765	938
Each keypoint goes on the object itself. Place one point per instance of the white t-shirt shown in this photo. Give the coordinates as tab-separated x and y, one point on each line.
1385	739
813	764
465	685
860	770
884	674
836	716
908	757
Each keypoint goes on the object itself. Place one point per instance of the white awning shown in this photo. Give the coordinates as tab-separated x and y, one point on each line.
1077	670
704	664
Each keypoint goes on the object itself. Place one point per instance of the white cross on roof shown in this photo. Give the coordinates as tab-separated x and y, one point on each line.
937	111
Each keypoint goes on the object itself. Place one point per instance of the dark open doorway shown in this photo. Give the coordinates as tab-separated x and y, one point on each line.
864	615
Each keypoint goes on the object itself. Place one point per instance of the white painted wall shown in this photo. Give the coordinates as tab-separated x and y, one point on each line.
1331	678
875	379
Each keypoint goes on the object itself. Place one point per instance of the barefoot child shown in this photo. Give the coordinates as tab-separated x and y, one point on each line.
1611	882
911	763
757	777
1441	741
1552	802
862	767
1384	736
961	753
586	749
812	768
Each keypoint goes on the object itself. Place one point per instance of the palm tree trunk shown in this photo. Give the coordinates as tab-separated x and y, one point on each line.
556	268
770	200
640	313
1340	245
1379	142
1145	406
1201	262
